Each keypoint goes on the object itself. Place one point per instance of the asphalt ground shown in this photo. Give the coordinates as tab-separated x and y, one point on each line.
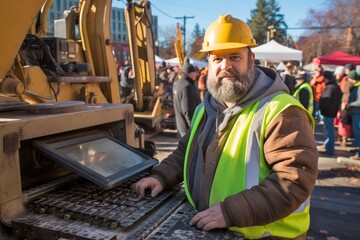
335	201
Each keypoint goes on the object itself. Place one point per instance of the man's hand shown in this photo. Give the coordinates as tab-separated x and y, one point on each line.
209	219
147	183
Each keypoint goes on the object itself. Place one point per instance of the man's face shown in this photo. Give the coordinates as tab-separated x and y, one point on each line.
299	81
318	72
231	74
192	75
338	76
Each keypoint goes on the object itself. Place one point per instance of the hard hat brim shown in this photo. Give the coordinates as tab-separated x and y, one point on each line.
226	46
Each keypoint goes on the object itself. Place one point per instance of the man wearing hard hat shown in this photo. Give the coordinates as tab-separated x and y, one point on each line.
249	160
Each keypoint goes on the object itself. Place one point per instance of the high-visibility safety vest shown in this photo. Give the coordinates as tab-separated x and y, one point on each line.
242	163
311	96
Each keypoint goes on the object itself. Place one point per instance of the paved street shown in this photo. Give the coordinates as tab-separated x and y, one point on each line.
335	208
335	202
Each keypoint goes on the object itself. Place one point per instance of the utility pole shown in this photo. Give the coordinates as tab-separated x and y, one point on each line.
184	30
270	33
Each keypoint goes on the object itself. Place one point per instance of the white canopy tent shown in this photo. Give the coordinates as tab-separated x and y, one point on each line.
313	66
275	52
158	60
175	62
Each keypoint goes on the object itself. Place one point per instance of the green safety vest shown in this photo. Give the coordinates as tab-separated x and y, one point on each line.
311	100
242	164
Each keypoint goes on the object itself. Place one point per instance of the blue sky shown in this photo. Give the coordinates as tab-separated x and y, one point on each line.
206	11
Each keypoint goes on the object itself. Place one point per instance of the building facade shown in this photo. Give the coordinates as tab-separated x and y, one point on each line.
118	28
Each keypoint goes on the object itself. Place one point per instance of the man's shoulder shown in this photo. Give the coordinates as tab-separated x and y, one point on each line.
183	83
293	112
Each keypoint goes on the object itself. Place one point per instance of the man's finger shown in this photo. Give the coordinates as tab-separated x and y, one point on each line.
209	226
155	191
198	217
139	188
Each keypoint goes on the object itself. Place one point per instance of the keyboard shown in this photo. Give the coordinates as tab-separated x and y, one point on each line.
85	211
117	207
177	226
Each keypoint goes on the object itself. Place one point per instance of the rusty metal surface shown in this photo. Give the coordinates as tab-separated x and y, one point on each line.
12	106
56	107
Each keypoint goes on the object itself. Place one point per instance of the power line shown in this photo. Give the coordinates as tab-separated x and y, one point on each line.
317	28
152	4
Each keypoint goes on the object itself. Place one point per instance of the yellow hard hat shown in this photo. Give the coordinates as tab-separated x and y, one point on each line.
227	32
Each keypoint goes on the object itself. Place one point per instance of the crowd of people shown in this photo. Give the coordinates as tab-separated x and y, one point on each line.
167	75
326	95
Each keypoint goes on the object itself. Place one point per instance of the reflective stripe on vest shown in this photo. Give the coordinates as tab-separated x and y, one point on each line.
245	142
311	96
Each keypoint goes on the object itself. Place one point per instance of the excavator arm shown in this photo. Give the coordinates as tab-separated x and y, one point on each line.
38	68
179	48
139	22
148	96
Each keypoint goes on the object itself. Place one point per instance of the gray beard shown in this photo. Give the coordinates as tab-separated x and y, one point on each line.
231	91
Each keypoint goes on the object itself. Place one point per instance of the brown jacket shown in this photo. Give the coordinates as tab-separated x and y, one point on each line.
290	151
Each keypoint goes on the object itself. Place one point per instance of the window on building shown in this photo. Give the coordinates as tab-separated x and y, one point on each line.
121	16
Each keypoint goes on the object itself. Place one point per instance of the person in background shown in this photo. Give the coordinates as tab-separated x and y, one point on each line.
186	98
288	78
303	92
341	80
329	105
257	62
340	77
348	68
202	82
164	75
127	80
241	170
318	85
173	74
306	74
272	67
344	129
353	108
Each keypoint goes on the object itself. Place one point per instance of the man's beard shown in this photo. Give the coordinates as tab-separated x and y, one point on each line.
231	90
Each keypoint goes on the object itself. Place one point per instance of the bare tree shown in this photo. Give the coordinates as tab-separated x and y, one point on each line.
336	28
166	44
197	37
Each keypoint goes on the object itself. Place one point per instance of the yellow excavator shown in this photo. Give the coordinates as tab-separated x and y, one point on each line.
179	47
62	124
77	63
69	150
